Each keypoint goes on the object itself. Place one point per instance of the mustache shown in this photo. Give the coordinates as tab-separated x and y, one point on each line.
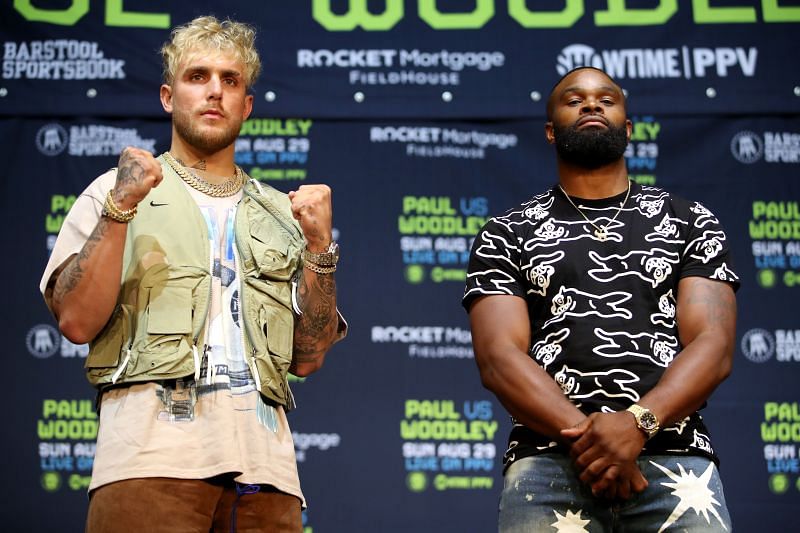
592	118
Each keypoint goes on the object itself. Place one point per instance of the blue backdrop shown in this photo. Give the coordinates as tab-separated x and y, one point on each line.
425	118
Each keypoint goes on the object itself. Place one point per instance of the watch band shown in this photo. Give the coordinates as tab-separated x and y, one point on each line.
645	419
328	258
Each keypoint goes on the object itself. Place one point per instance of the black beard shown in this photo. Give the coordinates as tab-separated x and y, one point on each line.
592	147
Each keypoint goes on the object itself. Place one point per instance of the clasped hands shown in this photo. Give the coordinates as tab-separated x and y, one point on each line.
604	448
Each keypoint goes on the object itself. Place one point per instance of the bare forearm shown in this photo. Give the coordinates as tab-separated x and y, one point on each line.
315	329
528	393
501	336
689	381
86	289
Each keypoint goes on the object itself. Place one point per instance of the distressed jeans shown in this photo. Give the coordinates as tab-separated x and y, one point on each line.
543	493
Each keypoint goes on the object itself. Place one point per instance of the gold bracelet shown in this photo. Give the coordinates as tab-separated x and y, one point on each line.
113	212
313	267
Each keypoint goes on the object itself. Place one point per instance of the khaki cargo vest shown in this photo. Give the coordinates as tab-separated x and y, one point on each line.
157	330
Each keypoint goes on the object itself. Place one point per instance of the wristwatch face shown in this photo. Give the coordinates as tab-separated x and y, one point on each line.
648	421
333	249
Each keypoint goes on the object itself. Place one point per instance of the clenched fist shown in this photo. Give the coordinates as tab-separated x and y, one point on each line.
311	206
137	173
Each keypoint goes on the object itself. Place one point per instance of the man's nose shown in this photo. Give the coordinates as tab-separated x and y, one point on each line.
214	87
591	105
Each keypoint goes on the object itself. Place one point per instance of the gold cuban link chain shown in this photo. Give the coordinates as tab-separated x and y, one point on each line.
222	190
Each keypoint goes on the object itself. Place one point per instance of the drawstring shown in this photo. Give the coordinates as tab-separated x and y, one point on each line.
241	490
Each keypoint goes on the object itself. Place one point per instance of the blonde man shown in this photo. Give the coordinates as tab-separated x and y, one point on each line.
198	289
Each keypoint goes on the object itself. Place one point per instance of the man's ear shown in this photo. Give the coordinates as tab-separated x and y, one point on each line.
548	132
629	129
165	94
248	106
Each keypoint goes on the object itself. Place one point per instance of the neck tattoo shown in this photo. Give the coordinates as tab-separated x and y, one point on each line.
200	165
600	232
221	190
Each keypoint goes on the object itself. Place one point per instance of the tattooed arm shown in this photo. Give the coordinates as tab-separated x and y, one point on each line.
316	328
87	285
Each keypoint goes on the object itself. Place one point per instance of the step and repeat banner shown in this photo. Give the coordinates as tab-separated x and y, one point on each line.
425	118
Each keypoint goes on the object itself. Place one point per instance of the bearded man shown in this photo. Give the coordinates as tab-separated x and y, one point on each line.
603	317
199	290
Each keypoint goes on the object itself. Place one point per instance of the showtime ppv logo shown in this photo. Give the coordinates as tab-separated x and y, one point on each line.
648	63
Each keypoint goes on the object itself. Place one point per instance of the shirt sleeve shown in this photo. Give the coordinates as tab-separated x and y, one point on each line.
494	264
76	229
707	253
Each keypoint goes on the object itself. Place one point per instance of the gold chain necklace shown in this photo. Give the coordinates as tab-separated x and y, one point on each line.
601	232
222	190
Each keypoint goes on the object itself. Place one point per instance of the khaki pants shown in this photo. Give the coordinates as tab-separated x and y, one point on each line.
185	505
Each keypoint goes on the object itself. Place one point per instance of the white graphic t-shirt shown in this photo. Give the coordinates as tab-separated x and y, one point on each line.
602	307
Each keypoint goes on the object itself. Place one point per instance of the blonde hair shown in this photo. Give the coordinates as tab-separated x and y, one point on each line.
208	33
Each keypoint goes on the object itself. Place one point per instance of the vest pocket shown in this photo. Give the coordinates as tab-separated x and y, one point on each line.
165	356
163	348
169	311
279	330
275	255
106	349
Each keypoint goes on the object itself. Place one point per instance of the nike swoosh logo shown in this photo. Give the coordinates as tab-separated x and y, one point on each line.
153	204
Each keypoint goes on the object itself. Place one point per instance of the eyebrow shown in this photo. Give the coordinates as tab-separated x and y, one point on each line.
205	70
603	88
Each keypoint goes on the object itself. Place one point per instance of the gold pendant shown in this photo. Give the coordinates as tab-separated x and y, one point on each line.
601	234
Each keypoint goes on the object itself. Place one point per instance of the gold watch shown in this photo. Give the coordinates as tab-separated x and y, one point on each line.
645	419
328	258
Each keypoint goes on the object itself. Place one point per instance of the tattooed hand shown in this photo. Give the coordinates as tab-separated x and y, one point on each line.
137	173
311	206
